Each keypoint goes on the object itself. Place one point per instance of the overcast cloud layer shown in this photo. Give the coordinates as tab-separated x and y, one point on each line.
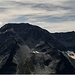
53	15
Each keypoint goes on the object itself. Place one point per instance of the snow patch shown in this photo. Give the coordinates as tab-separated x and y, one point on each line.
36	52
71	54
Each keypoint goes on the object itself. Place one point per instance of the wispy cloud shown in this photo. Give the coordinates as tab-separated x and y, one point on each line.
54	15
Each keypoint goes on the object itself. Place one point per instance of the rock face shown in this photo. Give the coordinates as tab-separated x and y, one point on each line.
28	49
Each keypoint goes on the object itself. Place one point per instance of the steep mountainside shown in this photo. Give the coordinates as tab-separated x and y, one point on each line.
28	49
67	39
33	34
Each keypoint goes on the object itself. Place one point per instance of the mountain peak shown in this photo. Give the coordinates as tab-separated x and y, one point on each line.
26	48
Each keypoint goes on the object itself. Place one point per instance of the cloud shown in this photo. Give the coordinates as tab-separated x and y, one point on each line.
47	14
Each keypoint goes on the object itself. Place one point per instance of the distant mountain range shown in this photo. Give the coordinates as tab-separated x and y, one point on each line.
29	49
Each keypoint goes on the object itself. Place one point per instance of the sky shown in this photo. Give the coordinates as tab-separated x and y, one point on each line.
53	15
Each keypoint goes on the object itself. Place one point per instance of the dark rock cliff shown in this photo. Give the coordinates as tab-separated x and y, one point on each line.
28	49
